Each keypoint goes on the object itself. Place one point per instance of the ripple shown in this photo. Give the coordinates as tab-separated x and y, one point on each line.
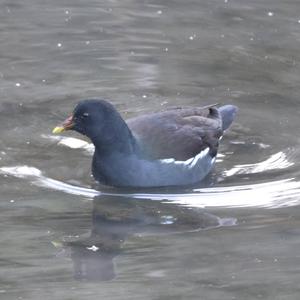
274	194
35	176
276	161
71	142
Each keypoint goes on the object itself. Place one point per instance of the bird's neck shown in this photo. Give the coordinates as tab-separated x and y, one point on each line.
115	137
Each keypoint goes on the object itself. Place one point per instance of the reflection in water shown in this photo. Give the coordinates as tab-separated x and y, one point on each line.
92	265
116	218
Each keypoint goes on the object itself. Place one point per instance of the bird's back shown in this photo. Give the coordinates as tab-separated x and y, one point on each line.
181	133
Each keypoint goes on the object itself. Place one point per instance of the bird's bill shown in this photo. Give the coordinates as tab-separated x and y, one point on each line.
66	125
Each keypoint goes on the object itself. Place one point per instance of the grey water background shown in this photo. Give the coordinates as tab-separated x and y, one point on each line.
235	236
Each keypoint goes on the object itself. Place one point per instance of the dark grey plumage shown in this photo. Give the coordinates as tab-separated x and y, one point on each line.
174	147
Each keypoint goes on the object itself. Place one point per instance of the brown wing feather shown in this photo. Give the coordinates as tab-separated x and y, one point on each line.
179	133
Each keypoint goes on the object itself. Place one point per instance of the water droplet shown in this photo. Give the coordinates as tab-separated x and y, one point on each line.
270	14
93	248
87	42
44	80
144	96
159	12
192	37
299	21
12	201
67	12
18	84
166	49
59	45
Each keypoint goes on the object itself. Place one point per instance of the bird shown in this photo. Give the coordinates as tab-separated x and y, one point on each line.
174	147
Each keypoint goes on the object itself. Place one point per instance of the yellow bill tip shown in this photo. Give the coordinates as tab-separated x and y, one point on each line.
58	129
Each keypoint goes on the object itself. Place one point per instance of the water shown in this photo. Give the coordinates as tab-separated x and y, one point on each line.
232	237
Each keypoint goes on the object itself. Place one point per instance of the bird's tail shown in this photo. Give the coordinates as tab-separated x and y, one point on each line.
228	113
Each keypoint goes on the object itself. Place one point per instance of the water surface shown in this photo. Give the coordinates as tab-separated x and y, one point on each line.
235	236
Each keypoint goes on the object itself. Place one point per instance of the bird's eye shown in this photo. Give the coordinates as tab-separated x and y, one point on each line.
85	114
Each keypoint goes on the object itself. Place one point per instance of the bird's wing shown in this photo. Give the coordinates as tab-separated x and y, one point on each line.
179	133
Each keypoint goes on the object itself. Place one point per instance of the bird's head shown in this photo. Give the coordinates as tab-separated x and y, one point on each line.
88	118
98	120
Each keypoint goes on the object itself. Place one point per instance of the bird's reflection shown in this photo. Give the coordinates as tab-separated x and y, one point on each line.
115	218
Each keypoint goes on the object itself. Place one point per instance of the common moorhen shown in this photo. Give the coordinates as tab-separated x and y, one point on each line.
170	148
